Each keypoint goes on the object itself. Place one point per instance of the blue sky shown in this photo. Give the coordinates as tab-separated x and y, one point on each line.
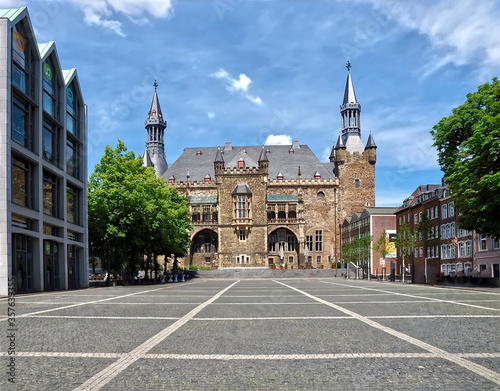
250	71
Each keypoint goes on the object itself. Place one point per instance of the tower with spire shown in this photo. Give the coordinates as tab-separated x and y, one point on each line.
354	161
155	145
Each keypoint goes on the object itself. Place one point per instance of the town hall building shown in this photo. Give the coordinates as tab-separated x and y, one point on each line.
255	206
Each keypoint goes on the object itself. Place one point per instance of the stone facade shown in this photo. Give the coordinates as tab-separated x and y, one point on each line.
255	206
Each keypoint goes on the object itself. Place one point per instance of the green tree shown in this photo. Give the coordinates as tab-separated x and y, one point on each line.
132	213
381	244
468	144
405	242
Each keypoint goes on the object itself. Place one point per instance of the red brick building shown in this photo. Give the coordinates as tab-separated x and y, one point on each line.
373	222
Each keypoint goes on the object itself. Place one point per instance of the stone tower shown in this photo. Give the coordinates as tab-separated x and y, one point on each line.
155	145
354	162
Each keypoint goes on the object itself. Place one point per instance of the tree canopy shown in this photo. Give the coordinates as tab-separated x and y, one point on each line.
133	213
468	144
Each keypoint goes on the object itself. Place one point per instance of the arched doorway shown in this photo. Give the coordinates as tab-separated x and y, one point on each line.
283	248
204	248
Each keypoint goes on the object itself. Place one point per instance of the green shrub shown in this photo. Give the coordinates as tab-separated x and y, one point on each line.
193	267
205	268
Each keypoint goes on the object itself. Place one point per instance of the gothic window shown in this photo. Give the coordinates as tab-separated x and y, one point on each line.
243	235
282	212
309	242
290	240
319	240
206	213
292	213
242	207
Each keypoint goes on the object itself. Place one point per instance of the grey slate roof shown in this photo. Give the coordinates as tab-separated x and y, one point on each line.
280	160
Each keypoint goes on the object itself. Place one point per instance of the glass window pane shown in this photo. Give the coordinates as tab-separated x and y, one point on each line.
48	103
48	143
19	78
19	119
19	182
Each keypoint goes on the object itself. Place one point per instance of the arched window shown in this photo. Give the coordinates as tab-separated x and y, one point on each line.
321	194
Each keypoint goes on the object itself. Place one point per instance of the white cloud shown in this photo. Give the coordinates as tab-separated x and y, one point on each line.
325	155
210	115
278	139
461	32
106	12
237	85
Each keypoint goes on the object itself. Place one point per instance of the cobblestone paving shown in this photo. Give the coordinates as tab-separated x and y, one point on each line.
259	334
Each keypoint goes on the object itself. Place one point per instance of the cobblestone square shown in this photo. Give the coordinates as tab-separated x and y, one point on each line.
255	334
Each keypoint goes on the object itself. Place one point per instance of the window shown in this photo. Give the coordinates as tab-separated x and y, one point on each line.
443	251
309	242
468	248
207	259
290	259
461	249
495	243
482	243
290	241
416	252
432	213
272	243
452	251
50	143
452	226
237	259
428	252
207	248
415	218
432	251
282	212
443	231
206	213
444	211
318	259
436	212
72	166
72	199
319	240
22	183
19	77
22	126
451	209
243	235
320	194
419	216
448	230
356	183
49	88
50	195
421	251
241	209
72	112
399	220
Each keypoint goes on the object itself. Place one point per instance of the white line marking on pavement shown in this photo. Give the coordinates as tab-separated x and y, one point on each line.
252	356
102	378
414	296
471	366
84	303
263	318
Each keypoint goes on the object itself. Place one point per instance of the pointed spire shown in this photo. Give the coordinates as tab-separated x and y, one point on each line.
155	110
349	94
370	144
263	155
218	156
340	143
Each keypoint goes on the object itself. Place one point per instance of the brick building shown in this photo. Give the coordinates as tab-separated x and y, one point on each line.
258	205
445	249
43	169
372	222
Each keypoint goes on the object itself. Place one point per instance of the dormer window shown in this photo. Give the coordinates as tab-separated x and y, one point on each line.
153	113
280	176
198	153
171	179
317	175
290	150
268	151
241	163
208	178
